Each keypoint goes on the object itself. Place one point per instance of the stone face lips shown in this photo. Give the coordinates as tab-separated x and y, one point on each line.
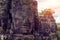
23	37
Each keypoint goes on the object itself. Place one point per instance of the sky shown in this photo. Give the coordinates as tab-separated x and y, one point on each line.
54	4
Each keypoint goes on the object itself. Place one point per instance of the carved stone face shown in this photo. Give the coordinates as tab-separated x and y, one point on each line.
23	14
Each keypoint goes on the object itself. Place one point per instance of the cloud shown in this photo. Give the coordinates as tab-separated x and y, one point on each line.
41	0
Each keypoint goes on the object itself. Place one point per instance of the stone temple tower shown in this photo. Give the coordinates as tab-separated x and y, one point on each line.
47	26
19	21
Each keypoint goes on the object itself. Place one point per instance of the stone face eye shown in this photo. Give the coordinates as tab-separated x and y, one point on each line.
27	39
19	39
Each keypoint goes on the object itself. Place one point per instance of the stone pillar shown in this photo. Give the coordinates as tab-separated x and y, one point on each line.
5	19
